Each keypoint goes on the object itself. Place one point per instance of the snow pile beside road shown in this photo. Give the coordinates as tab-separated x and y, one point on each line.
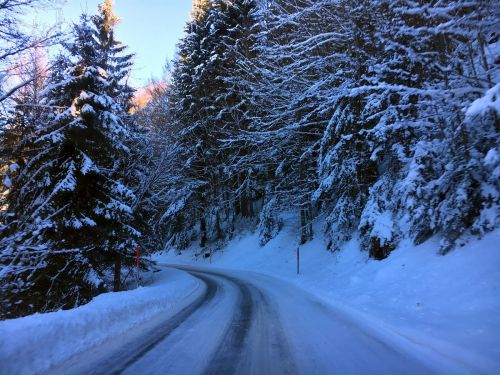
449	304
35	343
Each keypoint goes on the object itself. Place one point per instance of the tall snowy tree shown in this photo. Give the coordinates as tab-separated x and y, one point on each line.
210	107
234	53
69	217
113	56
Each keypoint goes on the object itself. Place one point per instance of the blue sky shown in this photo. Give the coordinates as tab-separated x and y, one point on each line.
151	28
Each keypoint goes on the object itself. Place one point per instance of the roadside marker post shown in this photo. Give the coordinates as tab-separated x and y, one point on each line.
298	260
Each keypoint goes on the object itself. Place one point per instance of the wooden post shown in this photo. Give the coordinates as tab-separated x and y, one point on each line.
298	260
117	285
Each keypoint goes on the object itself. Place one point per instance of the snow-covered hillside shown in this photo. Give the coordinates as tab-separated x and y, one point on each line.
449	304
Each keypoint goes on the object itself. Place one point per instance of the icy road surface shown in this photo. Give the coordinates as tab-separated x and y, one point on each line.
247	323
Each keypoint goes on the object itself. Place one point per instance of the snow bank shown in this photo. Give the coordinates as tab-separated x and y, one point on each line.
449	305
35	343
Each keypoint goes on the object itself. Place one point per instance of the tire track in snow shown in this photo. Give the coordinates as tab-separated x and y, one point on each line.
163	331
254	342
124	354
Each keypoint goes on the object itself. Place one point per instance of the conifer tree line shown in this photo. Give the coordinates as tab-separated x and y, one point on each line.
377	119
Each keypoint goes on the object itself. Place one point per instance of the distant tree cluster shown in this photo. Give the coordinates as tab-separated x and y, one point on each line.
379	116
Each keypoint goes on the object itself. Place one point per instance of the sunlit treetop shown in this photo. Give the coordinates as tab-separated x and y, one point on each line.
108	17
200	7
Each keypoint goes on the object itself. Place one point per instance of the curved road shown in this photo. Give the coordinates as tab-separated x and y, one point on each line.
246	323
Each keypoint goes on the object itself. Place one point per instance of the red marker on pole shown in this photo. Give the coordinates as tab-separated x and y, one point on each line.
137	256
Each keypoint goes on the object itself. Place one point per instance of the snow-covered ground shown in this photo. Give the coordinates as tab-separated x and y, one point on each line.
448	304
443	309
35	343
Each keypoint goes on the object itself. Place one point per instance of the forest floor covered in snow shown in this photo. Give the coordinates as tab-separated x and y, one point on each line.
448	304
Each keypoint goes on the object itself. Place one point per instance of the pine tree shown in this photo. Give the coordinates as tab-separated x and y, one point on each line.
115	60
443	189
383	86
191	121
235	53
297	77
113	57
70	216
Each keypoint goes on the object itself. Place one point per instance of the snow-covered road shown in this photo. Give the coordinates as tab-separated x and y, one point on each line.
248	323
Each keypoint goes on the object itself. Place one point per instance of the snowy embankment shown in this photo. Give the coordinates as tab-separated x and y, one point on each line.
443	306
35	343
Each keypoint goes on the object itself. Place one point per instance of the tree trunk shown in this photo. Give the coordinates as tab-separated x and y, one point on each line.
237	203
303	226
249	202
203	231
117	285
218	229
309	221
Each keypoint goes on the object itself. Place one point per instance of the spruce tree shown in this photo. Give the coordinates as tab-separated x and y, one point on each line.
113	56
234	53
211	107
192	101
115	60
70	216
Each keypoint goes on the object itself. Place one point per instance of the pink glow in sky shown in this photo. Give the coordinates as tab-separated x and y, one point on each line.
151	28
